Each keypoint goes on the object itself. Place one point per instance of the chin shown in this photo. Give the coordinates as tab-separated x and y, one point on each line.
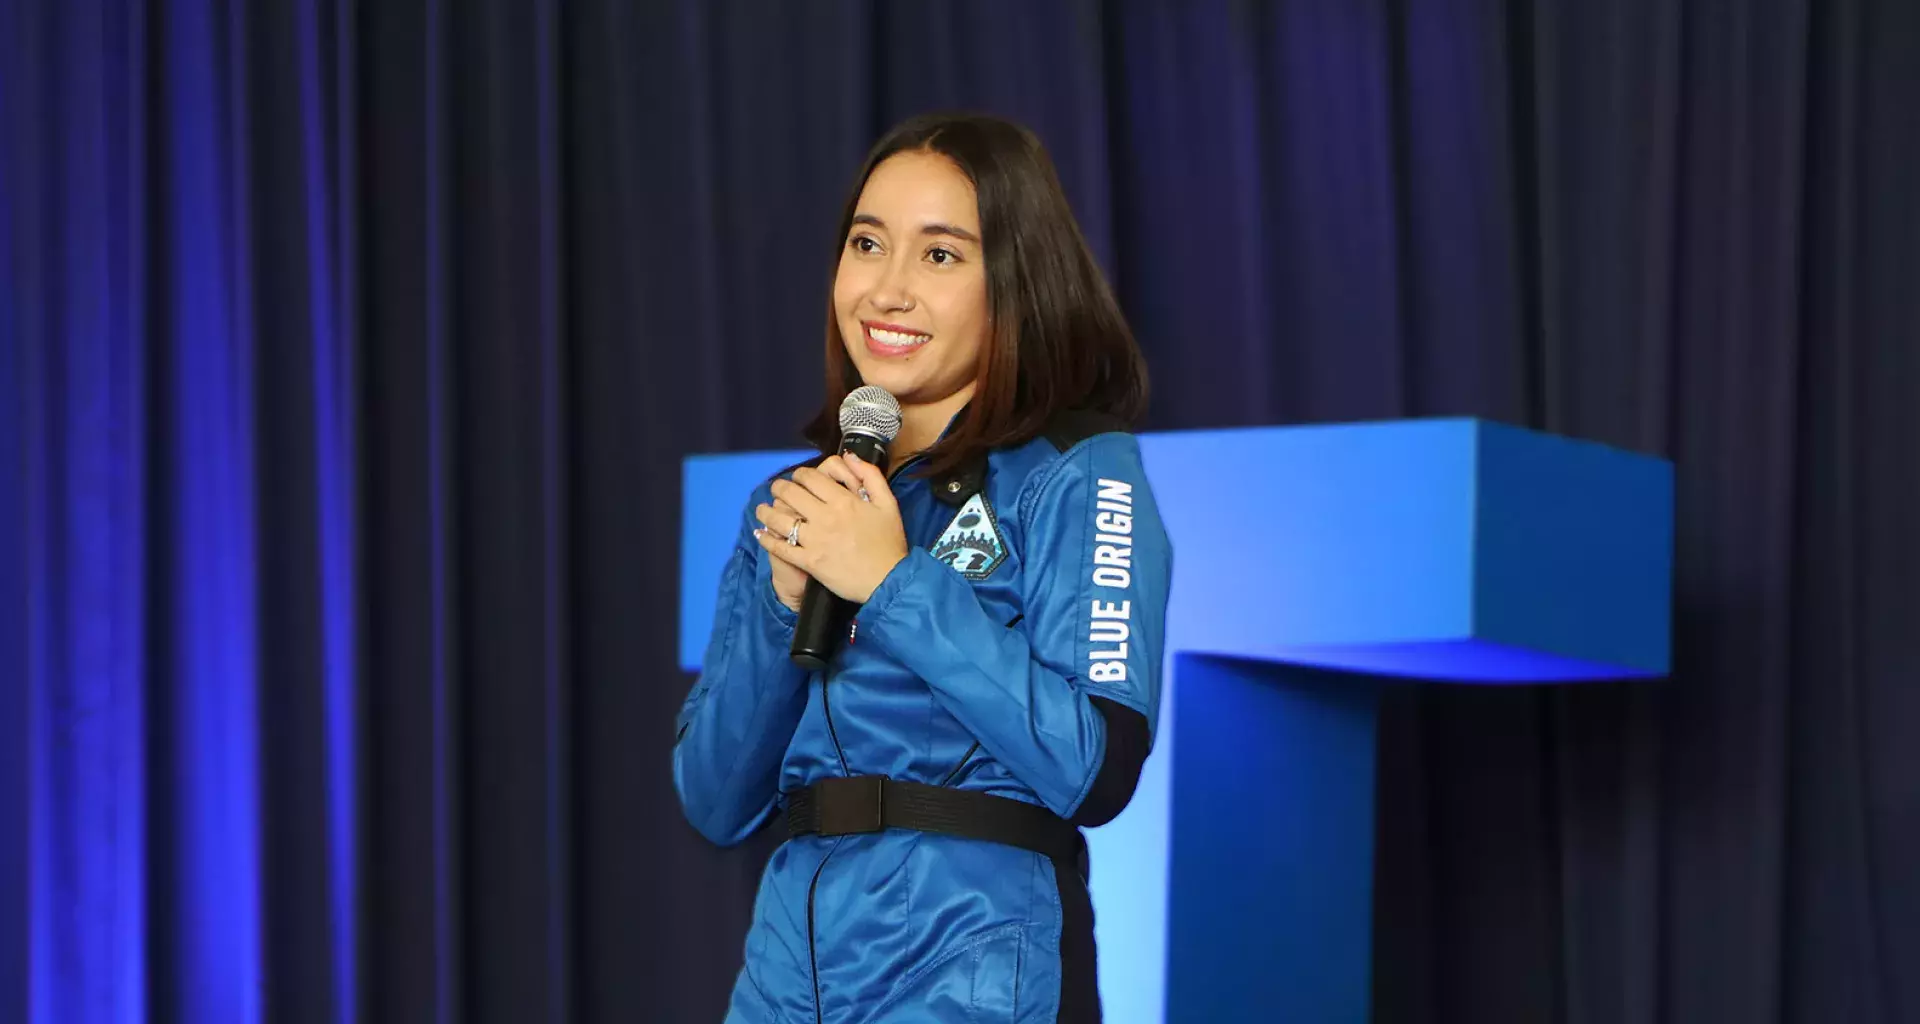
900	378
899	381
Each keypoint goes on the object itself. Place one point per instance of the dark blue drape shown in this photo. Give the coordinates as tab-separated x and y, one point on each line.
347	352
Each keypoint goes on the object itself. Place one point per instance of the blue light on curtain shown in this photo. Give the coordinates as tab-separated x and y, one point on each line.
76	245
211	622
329	171
135	771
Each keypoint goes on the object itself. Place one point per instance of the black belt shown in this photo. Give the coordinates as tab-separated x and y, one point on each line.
873	803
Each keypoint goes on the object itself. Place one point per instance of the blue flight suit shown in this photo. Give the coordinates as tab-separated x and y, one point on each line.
1016	651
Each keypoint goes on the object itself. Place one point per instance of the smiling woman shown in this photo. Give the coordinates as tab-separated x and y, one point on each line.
998	687
963	270
911	291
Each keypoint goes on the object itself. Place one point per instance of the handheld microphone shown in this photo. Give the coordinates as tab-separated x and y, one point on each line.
869	420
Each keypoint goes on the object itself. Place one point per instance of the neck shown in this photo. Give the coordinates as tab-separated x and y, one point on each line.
921	424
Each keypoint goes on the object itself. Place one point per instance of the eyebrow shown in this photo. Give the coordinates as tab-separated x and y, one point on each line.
928	229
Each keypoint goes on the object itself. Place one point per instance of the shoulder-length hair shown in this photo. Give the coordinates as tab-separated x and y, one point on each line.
1058	341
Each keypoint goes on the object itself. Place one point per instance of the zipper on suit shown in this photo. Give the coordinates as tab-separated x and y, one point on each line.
813	956
826	708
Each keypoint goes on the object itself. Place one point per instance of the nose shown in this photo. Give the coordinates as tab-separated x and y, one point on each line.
893	291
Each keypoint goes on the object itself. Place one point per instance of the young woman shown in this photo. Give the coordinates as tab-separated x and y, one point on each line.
998	686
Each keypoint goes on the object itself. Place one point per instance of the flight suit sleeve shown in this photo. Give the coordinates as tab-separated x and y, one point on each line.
736	722
1069	704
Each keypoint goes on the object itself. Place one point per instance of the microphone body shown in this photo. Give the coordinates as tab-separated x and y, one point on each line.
823	616
869	420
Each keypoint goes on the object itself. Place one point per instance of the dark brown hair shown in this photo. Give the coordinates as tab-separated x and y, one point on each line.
1059	341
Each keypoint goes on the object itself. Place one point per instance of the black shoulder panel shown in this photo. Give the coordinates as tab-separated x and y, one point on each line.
1073	426
1127	744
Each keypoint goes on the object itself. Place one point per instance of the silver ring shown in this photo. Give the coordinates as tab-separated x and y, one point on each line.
793	533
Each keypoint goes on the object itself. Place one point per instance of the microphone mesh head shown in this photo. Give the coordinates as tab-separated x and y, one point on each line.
871	411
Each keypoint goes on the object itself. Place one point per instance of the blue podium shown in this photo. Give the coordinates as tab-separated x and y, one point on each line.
1312	565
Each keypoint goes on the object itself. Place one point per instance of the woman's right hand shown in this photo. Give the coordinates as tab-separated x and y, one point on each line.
789	582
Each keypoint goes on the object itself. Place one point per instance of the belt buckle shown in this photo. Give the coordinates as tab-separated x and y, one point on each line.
855	806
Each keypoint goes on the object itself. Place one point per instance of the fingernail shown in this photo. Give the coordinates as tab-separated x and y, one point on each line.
852	457
758	530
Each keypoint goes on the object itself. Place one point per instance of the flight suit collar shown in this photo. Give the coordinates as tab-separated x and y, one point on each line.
965	480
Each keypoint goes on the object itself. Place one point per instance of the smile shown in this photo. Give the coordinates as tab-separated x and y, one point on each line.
892	339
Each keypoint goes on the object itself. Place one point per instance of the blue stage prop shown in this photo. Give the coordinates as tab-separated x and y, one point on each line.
1311	566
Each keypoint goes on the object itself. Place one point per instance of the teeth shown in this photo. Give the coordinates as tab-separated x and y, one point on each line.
895	338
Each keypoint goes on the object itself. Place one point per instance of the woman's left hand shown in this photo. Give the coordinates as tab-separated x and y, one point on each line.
847	542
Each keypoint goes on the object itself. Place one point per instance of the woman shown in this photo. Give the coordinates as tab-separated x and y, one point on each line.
997	687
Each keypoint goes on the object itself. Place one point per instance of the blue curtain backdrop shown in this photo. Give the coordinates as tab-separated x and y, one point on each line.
347	352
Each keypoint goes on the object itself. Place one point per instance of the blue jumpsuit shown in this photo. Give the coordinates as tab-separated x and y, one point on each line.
1016	651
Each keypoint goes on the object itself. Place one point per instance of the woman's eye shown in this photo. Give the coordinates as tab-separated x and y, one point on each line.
942	257
863	244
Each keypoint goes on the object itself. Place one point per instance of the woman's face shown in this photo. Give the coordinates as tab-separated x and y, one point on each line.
911	291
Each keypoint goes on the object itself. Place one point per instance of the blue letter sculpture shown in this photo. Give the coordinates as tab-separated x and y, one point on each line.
1309	564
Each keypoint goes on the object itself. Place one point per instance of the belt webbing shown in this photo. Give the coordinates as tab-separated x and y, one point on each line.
873	803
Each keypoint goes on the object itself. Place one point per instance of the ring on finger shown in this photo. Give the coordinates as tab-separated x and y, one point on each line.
793	532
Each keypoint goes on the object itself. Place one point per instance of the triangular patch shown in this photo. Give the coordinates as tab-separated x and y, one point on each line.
972	543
